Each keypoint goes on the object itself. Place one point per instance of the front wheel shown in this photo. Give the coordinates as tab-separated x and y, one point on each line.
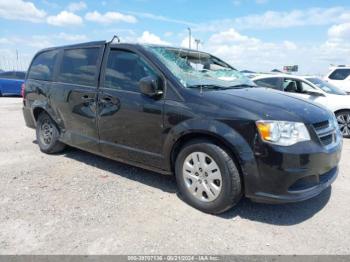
207	177
343	118
47	135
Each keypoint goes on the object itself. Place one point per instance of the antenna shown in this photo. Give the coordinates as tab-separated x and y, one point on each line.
115	37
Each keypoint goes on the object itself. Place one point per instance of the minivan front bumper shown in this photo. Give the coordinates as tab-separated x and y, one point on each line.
295	174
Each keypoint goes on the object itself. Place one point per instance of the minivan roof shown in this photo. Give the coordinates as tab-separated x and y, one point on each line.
96	43
86	44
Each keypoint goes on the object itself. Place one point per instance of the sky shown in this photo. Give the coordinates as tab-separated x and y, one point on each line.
258	35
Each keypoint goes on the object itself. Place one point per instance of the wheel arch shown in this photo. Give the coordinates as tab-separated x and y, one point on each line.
341	110
217	132
204	136
37	111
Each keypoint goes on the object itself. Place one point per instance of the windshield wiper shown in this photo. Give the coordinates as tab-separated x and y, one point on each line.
242	86
214	87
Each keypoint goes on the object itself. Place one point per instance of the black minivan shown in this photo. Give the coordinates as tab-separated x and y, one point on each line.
183	112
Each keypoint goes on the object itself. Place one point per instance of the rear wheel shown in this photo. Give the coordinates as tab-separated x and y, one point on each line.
47	135
207	177
343	119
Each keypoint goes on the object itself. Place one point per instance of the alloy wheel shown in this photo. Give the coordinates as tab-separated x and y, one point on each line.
344	123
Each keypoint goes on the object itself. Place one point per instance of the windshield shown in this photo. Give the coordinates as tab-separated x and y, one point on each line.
200	70
326	87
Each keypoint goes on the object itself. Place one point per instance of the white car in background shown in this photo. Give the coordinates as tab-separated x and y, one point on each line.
313	89
340	77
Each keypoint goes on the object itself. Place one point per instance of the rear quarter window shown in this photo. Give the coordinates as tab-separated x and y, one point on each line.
42	67
79	66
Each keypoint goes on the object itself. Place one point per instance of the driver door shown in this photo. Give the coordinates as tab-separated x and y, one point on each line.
130	123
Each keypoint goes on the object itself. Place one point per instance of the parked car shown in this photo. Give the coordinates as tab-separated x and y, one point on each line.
182	112
313	89
11	82
340	77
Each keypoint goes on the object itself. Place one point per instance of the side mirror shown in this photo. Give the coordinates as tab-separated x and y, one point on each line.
150	86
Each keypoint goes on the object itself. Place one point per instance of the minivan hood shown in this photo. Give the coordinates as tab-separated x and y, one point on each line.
271	104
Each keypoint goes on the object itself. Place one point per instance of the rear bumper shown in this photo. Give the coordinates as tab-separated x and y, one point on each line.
294	174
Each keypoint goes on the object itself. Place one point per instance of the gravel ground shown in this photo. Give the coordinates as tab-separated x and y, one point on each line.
79	203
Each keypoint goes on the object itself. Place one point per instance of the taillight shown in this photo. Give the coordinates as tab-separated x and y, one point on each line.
23	86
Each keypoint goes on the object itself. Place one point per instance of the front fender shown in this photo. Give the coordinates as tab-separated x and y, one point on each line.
219	130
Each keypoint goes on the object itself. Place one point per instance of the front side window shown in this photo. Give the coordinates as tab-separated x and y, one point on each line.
79	66
272	82
200	70
291	85
43	66
340	74
124	70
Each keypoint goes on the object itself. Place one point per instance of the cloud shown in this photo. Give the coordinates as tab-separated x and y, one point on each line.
286	19
162	18
246	52
229	36
289	45
149	38
239	2
20	10
76	6
109	17
65	18
71	37
340	31
4	41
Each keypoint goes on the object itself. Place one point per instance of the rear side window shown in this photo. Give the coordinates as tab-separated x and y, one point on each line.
340	74
79	66
125	69
43	66
269	83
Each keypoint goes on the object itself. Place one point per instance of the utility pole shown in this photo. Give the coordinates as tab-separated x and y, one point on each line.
197	42
189	37
17	59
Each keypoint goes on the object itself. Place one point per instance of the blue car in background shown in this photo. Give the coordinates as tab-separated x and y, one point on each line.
11	83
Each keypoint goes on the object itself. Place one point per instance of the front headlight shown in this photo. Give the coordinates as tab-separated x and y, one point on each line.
282	133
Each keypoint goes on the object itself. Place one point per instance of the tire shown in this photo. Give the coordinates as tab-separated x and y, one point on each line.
212	195
47	135
343	118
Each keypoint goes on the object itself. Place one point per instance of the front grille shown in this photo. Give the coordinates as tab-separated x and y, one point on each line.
321	125
326	133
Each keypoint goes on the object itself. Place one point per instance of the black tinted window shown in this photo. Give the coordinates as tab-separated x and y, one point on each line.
8	75
20	75
79	66
124	70
269	82
43	66
340	74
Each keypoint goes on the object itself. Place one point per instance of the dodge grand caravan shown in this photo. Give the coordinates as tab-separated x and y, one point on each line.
183	112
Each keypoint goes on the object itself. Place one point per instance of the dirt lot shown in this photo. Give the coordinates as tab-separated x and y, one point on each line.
79	203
